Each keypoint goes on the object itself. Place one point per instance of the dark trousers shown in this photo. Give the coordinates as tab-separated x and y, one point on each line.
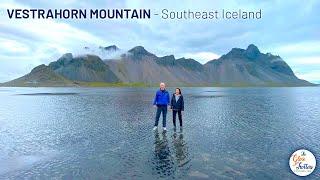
163	109
174	113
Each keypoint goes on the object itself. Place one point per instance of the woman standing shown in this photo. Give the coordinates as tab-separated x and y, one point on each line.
177	105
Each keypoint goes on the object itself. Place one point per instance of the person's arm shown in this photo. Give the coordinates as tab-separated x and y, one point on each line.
182	104
168	99
171	103
155	99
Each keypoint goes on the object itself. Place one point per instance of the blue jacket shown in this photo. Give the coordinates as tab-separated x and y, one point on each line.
161	98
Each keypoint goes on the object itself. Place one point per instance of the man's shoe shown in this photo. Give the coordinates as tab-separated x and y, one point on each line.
164	129
155	128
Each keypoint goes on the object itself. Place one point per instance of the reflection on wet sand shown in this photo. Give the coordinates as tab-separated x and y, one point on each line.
170	160
181	149
105	133
163	161
47	94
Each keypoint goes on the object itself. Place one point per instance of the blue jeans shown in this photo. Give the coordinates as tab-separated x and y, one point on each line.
163	109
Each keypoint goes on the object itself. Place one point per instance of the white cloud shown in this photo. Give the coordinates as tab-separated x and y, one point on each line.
202	57
40	41
59	35
309	60
301	47
46	40
12	46
313	76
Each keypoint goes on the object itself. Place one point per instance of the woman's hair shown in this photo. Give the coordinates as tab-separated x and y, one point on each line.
179	90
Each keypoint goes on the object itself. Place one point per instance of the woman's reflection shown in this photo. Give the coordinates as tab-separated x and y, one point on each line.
170	160
181	150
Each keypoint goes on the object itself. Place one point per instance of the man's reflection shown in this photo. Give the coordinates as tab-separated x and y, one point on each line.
163	162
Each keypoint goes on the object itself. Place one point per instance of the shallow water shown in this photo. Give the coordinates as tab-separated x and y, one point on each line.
106	133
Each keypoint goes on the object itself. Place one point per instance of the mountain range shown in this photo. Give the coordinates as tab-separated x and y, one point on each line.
239	67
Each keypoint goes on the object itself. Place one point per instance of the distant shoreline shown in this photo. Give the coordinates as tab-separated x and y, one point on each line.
140	84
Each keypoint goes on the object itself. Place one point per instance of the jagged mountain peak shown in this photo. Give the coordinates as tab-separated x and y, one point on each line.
166	60
64	59
139	52
252	51
39	68
87	68
66	56
234	53
253	48
170	57
187	59
190	63
87	60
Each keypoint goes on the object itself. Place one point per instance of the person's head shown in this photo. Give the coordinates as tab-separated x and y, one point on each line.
178	91
162	86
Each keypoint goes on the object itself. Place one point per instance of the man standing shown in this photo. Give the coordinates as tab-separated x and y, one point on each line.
161	102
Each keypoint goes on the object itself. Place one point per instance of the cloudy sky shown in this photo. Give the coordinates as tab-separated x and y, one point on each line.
290	29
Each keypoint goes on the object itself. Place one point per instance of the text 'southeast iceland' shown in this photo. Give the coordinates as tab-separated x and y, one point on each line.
79	13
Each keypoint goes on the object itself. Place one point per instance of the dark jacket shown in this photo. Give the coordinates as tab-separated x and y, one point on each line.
161	98
177	105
